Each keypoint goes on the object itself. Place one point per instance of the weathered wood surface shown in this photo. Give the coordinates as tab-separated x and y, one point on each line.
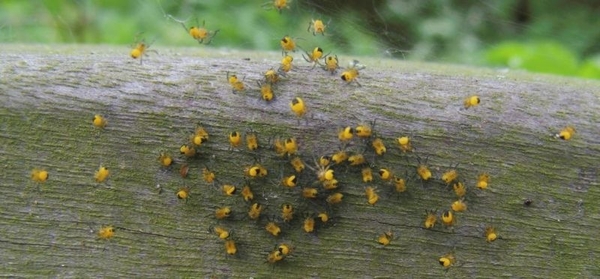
49	95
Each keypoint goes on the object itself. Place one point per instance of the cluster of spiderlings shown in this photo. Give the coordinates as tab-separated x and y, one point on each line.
267	86
317	182
315	204
320	190
190	151
362	151
448	217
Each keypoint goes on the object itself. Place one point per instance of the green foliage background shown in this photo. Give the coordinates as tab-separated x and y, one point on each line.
552	36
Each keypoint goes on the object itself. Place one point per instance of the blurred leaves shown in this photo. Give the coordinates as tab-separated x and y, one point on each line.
542	57
520	34
590	68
